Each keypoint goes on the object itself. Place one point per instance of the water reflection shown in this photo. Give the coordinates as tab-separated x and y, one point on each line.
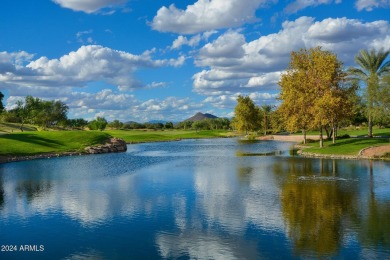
376	224
33	188
197	199
1	191
315	206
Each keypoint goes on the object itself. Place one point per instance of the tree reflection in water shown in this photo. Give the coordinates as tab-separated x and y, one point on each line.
33	188
2	195
315	204
375	230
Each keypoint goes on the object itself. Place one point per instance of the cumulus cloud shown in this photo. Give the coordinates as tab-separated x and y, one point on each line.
369	5
90	6
22	74
182	40
88	64
231	64
206	15
302	4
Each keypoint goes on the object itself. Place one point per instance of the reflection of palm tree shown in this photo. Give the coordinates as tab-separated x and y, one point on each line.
376	226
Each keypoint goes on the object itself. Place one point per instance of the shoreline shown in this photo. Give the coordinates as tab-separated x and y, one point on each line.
20	158
295	139
300	148
339	156
113	145
16	158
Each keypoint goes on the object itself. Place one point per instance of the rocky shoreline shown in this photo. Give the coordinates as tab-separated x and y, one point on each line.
113	145
361	155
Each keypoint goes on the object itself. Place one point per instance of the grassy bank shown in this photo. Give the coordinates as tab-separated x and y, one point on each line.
348	146
40	142
31	143
141	136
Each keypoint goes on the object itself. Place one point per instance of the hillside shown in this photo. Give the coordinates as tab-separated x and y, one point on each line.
200	116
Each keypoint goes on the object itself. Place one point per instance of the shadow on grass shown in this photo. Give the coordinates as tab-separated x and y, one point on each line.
16	128
32	139
358	141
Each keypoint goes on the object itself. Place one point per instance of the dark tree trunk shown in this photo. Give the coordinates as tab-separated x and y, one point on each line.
334	133
369	126
321	138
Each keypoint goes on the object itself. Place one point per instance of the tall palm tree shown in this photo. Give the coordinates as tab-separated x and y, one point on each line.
372	67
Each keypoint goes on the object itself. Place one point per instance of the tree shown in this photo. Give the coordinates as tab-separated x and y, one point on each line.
77	123
40	112
312	91
116	124
168	125
246	115
99	123
185	124
21	112
201	124
296	100
1	102
372	69
266	111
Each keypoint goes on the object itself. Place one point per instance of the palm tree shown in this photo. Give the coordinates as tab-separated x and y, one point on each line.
372	67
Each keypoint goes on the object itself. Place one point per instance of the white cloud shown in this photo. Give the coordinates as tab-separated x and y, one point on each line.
206	15
182	40
369	5
83	37
228	45
88	64
342	29
302	4
264	80
229	101
90	6
192	41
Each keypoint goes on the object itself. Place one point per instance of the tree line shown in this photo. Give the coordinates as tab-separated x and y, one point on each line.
51	114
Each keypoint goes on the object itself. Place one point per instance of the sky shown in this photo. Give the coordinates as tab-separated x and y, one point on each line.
142	60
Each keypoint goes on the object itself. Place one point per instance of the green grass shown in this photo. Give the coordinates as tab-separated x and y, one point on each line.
348	146
30	143
141	136
40	142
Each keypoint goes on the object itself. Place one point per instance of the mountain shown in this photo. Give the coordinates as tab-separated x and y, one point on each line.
199	116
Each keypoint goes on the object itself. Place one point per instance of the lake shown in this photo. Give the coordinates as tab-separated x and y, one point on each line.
195	199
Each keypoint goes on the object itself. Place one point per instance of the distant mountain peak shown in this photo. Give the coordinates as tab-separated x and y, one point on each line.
200	116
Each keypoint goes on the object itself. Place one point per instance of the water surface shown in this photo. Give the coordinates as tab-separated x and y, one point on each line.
196	199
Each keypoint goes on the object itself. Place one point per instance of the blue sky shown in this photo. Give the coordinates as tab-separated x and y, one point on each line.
166	60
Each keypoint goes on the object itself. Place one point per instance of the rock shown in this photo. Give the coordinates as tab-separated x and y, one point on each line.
113	145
